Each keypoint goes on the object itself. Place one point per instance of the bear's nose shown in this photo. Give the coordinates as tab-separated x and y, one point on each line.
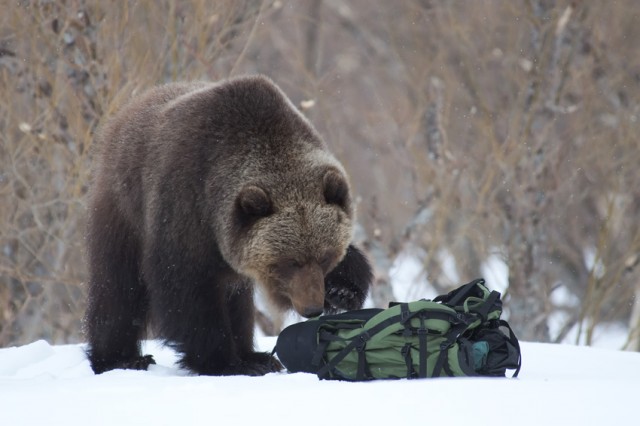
312	311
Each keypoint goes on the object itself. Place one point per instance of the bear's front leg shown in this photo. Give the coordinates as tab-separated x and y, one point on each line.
190	307
347	285
195	323
242	318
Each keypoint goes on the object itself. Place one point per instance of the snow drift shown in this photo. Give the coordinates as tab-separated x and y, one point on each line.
559	384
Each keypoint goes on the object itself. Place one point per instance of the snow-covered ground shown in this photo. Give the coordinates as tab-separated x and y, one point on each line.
563	385
558	385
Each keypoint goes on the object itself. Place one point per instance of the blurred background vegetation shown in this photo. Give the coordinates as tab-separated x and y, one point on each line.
472	130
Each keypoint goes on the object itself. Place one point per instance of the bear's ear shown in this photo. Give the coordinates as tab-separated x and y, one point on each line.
336	190
254	202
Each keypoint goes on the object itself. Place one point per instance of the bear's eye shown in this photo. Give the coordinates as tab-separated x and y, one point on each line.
286	268
293	264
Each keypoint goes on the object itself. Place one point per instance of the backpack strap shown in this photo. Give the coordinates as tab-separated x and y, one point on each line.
363	371
408	360
485	307
443	357
422	342
458	295
359	340
514	341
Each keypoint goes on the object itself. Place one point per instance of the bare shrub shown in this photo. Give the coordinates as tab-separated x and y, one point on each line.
470	130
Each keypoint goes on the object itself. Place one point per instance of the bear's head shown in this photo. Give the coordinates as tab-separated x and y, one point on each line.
281	202
291	230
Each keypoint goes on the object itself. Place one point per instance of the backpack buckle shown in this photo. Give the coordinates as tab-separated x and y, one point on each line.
405	314
363	338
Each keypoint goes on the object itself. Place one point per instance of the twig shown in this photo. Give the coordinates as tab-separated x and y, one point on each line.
254	28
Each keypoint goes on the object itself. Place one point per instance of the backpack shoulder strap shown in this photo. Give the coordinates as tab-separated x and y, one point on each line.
457	296
514	341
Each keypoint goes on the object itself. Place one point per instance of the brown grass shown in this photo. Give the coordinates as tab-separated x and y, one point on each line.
468	127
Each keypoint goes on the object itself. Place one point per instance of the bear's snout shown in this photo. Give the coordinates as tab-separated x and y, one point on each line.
307	290
313	311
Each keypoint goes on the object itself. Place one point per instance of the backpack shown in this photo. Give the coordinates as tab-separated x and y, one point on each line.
457	334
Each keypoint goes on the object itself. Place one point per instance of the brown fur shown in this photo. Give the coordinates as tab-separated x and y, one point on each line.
200	190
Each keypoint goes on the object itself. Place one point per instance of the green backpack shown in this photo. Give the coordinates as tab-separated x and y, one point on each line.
457	334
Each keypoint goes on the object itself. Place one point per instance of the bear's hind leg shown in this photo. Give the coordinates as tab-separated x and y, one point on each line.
117	307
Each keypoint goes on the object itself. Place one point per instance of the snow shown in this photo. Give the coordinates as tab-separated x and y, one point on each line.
408	278
410	282
41	384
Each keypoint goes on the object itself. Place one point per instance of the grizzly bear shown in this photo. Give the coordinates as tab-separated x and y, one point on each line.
201	191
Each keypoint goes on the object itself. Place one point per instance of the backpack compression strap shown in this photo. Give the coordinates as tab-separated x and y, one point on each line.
361	340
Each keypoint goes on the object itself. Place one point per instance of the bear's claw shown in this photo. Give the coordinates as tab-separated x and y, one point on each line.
254	364
343	298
